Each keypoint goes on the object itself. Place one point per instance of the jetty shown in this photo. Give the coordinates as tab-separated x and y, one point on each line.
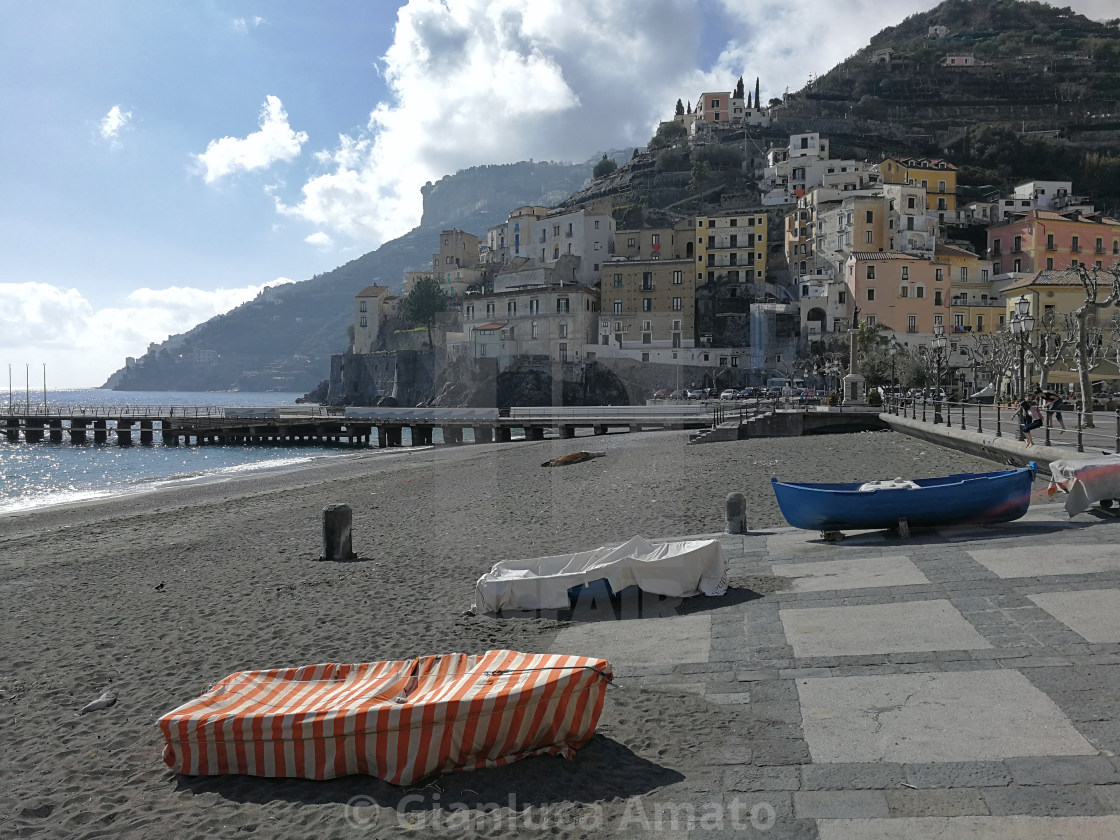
301	425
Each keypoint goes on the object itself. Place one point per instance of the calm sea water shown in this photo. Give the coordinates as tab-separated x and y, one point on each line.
39	474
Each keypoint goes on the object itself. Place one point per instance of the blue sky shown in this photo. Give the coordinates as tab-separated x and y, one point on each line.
164	161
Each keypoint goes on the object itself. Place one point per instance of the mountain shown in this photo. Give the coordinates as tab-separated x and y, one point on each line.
283	339
1008	90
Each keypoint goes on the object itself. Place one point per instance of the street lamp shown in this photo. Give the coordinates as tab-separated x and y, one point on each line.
1022	324
938	344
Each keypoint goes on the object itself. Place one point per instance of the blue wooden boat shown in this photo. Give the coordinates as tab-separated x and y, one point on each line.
950	500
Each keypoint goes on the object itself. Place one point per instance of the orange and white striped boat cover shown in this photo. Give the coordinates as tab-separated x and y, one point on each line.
399	721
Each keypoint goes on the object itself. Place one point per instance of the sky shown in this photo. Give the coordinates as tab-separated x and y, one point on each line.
164	162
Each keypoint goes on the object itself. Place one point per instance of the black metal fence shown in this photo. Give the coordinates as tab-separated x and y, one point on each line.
1098	430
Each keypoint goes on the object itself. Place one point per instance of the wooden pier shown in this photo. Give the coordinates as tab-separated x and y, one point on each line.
321	426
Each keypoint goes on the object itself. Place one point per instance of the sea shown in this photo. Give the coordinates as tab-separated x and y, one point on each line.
34	475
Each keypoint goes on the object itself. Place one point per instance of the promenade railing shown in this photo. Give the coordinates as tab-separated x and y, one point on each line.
1003	420
19	409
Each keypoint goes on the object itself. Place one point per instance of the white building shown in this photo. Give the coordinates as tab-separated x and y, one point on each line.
555	322
585	233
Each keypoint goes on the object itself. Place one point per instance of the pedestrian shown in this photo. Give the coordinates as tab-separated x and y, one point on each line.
1053	405
1030	419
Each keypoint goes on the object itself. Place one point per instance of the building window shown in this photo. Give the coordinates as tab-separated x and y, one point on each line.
677	304
678	278
596	224
647	304
562	305
645	356
362	306
910	202
870	295
647	338
511	308
617	281
912	323
920	291
870	236
906	272
904	291
938	274
937	299
871	272
489	309
872	320
842	297
630	242
563	351
597	246
364	322
647	281
617	310
470	312
534	306
1076	246
563	331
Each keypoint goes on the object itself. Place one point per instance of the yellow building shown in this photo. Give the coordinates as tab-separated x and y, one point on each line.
731	245
939	177
976	307
647	305
372	306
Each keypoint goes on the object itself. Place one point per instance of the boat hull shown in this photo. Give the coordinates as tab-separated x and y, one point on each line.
968	498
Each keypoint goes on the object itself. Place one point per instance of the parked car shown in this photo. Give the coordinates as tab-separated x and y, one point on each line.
662	394
749	393
728	394
679	394
695	394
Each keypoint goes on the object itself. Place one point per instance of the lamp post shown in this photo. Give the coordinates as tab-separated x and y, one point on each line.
938	344
1022	323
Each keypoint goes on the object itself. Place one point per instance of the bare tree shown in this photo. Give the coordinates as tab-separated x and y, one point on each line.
1102	290
1053	346
993	354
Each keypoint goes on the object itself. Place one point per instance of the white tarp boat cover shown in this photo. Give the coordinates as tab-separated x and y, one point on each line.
1086	480
676	569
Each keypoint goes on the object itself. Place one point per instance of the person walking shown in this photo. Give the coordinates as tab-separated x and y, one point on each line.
1030	418
1053	405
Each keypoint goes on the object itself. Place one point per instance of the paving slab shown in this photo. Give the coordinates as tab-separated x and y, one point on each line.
879	628
933	717
673	639
851	573
1091	613
972	828
1033	559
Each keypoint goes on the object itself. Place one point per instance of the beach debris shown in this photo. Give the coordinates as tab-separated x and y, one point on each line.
107	699
573	458
337	543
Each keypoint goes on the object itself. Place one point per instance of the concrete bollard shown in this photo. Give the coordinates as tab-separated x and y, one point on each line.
337	543
736	513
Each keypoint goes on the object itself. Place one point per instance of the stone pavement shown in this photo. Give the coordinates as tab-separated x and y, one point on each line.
962	683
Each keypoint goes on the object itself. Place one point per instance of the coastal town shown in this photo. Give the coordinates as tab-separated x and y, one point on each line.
760	285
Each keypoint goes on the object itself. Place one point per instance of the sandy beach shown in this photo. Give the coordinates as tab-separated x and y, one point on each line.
163	594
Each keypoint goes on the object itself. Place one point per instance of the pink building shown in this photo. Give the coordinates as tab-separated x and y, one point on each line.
714	107
1043	240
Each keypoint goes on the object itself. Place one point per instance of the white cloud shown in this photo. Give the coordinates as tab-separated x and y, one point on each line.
491	81
276	141
319	239
245	24
113	123
82	344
